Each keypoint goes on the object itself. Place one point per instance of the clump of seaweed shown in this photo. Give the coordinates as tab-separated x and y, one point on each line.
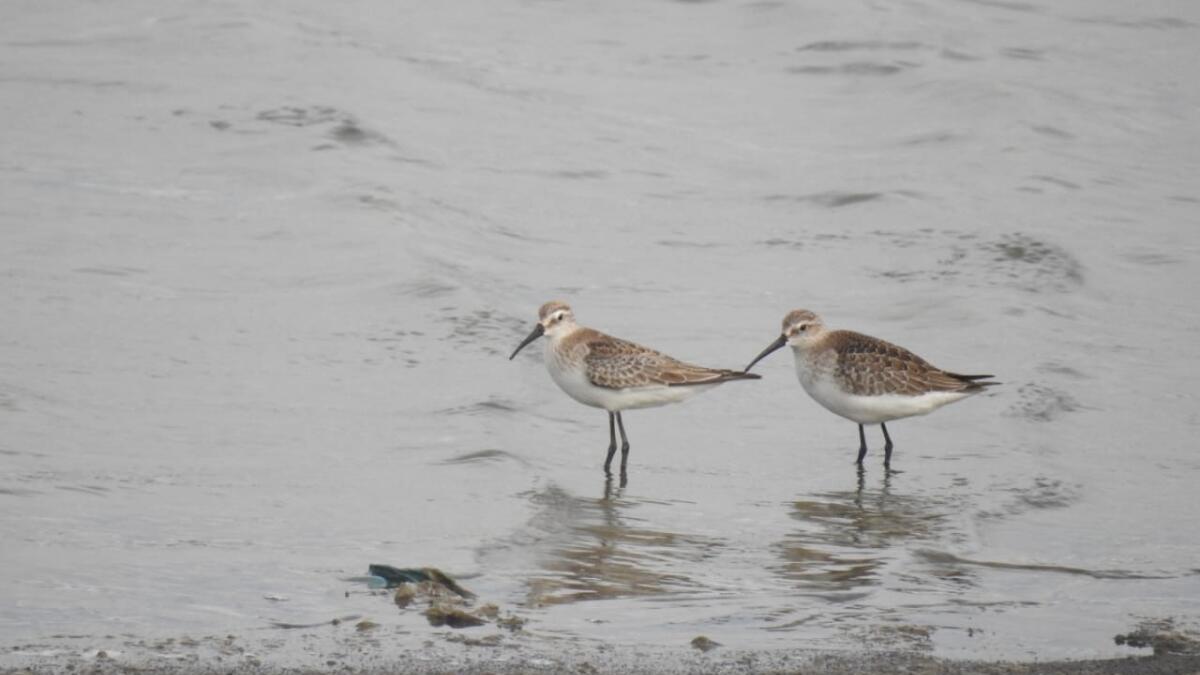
447	603
1161	635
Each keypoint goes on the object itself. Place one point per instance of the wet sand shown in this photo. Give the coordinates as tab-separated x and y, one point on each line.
505	659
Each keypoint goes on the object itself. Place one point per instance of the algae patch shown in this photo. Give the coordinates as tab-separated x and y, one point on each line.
1164	636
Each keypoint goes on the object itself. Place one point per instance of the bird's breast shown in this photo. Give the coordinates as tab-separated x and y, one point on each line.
814	370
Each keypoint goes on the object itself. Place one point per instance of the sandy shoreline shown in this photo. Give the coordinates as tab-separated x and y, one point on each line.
653	661
363	646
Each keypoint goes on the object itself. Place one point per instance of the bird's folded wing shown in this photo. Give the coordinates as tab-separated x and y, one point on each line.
618	364
873	367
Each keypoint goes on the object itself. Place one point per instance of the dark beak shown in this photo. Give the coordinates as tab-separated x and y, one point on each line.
777	344
537	333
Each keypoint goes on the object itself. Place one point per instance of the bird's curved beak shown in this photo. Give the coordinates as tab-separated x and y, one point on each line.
537	332
777	344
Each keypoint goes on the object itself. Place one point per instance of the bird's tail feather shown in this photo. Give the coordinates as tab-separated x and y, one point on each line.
720	376
974	382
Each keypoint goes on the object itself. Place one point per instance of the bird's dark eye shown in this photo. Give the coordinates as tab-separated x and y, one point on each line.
803	327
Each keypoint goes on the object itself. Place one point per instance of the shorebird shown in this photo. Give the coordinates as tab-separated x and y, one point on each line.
865	379
606	372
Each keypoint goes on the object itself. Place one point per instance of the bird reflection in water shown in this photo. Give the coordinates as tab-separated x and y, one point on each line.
847	538
591	550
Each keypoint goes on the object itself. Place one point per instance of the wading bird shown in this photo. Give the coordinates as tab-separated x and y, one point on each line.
865	379
606	372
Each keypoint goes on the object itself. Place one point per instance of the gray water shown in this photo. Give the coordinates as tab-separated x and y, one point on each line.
263	265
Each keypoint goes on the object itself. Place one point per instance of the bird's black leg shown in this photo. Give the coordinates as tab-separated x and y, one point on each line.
862	445
887	447
624	445
612	443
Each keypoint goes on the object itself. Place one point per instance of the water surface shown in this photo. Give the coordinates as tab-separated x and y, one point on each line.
263	267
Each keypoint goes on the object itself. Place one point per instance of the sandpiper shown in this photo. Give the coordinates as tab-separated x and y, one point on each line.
865	379
606	372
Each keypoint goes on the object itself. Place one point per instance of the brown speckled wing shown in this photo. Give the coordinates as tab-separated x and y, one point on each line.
618	364
869	366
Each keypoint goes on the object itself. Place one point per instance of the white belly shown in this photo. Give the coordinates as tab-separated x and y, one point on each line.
575	382
871	409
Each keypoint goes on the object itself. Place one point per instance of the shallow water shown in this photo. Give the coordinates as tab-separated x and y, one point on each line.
264	267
